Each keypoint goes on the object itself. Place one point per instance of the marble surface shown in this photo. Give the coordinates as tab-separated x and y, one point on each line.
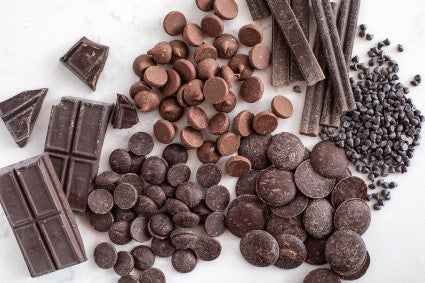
34	34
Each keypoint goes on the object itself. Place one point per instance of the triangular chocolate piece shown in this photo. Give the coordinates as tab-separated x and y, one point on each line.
86	60
20	112
125	115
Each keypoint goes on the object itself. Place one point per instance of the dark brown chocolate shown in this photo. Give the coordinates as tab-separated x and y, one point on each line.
41	219
74	142
125	114
86	60
258	9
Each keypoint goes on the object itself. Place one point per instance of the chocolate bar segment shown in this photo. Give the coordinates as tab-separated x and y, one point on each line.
86	60
39	214
125	114
20	112
301	10
74	142
281	58
258	9
296	41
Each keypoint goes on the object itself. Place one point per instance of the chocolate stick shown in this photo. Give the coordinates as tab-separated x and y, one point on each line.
296	40
302	12
281	58
258	9
335	59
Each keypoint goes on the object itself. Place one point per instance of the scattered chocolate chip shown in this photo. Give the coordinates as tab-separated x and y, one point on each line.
215	224
227	46
400	48
160	226
264	123
219	124
147	101
186	70
140	64
208	153
152	275
139	229
193	35
250	35
260	56
174	23
252	89
205	51
179	49
162	248
156	194
254	147
174	206
105	255
259	248
174	154
186	219
240	65
125	263
184	261
134	180
202	211
247	183
297	89
173	83
208	248
154	170
228	143
217	198
312	184
191	138
120	161
282	107
212	25
328	160
189	193
208	175
205	5
128	279
100	201
119	233
285	151
215	90
143	257
161	53
164	131
318	218
145	206
183	238
227	105
292	251
155	76
125	196
102	222
178	174
237	166
107	180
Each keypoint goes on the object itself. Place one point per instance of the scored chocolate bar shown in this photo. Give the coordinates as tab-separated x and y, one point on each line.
74	142
40	216
281	58
301	10
258	9
296	41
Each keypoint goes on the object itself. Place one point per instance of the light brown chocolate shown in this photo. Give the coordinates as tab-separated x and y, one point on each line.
196	118
250	35
212	25
161	53
259	56
179	50
252	89
215	90
227	105
227	46
228	143
170	109
240	65
207	68
191	138
164	131
219	123
193	35
186	70
265	123
146	101
174	23
155	76
205	51
282	107
243	123
226	9
173	83
141	63
208	153
237	166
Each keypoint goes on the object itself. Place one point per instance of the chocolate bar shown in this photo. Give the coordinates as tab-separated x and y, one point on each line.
40	216
125	114
296	41
281	58
258	9
301	10
20	112
86	60
74	142
335	59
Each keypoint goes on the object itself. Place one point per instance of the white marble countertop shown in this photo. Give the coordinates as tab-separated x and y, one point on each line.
34	34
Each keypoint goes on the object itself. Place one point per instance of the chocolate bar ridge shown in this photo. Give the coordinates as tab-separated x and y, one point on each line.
74	142
40	216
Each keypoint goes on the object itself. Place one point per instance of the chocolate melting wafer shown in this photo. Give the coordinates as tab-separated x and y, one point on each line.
281	58
332	49
302	13
258	9
296	40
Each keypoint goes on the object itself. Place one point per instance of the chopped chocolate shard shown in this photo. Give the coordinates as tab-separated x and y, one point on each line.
86	60
125	114
20	112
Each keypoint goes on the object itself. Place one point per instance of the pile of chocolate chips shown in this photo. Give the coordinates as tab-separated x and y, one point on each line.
146	198
296	206
380	137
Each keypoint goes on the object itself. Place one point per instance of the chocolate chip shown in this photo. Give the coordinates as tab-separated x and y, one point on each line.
102	222
145	206
127	215
315	251
107	180
227	46
174	206
191	138
128	279
321	275
143	257
164	131
120	161
183	238
154	170
202	211
133	179
173	83
155	76
100	201
277	225
141	63
207	68
139	229
156	194
186	219
347	188
184	261
186	70
160	226
318	218
312	184
328	160
292	252
293	208
161	53
189	193
205	5
354	275
212	25
259	56
208	175
246	213
174	154
192	93
250	35
193	35
136	163
196	118
219	124
243	123
215	90
276	187
168	190
205	51
285	151
297	89
174	23
119	233
125	196
226	9
215	224
147	101
229	76
152	275
345	251
179	49
247	183
400	48
228	143
240	65
217	198
208	153
354	215
208	248
125	263
282	107
252	89
141	143
237	166
259	248
162	248
105	255
178	174
265	123
254	147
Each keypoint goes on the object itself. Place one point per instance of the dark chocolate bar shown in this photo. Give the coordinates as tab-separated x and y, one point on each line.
86	60
125	114
296	41
301	10
20	112
74	142
40	216
281	58
258	9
